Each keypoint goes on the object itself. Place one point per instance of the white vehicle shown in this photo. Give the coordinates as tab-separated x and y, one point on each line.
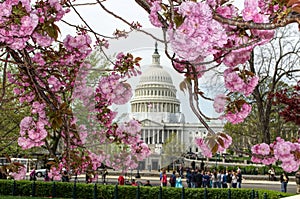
28	163
40	173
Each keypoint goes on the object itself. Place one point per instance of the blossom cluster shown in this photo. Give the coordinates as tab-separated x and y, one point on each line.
20	22
33	133
288	153
195	35
238	115
213	144
20	174
127	65
153	17
199	35
242	82
205	150
235	112
234	82
113	89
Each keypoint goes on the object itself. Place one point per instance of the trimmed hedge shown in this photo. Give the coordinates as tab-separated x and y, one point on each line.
86	191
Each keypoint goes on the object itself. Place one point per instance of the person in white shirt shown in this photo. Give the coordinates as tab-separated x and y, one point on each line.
234	180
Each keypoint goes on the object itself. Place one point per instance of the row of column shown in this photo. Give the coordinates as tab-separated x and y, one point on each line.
160	93
155	107
155	136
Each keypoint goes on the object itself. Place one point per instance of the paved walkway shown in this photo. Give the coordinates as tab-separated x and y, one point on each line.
263	179
153	178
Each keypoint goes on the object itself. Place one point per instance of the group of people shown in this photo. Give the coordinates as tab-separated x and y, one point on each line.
174	179
93	175
121	181
284	179
208	179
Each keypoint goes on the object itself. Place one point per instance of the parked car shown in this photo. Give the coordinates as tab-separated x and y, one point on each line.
40	173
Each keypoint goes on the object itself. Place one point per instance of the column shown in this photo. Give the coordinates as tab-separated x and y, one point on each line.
153	138
157	138
182	140
148	135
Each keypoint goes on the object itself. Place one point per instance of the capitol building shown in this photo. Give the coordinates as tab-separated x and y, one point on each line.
164	129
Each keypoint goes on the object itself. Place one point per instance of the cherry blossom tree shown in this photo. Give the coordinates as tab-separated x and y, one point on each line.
50	75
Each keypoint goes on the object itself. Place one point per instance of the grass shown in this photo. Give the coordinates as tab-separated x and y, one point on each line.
24	197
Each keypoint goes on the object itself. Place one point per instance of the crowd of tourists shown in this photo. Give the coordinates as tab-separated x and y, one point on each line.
204	178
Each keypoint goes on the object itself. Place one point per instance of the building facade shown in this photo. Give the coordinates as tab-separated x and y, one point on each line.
164	129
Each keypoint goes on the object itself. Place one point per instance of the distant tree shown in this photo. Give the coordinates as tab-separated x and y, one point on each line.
275	62
11	113
290	98
171	150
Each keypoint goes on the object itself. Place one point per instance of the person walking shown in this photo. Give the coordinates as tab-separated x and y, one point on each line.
172	179
205	180
284	179
121	180
219	177
178	182
32	175
271	174
297	176
133	183
148	184
164	180
193	165
65	176
188	178
46	178
193	179
239	179
229	179
224	179
214	180
198	178
104	174
202	165
234	180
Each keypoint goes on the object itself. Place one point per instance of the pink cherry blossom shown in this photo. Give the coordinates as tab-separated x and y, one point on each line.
153	14
219	103
206	151
20	174
238	116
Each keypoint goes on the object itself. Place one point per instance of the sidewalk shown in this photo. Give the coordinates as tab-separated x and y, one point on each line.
293	197
154	175
152	178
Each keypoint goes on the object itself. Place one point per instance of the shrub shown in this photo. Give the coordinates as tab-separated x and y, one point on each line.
86	191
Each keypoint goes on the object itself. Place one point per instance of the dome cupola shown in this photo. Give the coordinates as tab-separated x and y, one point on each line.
155	91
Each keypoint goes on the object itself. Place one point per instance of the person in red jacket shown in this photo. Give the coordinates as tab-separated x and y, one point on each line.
133	183
121	180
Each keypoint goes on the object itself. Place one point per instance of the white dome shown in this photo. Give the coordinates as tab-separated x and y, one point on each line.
156	74
155	95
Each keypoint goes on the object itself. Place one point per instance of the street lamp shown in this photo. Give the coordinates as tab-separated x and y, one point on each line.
218	157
